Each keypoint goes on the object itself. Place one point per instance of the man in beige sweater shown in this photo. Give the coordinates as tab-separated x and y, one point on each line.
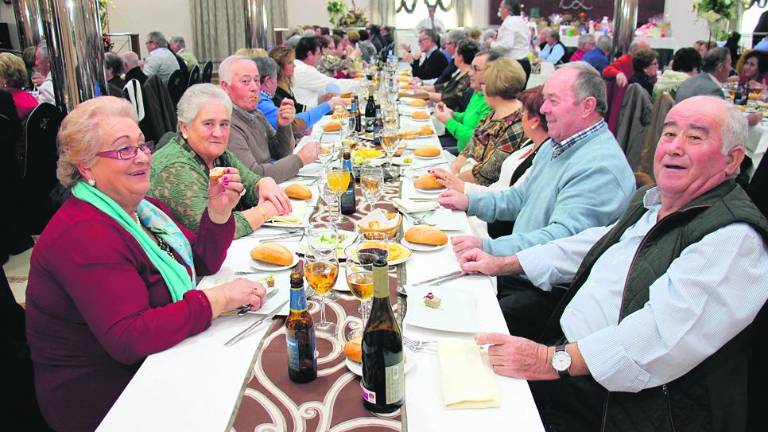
266	151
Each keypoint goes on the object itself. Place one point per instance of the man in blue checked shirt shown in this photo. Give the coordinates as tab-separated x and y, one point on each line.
663	325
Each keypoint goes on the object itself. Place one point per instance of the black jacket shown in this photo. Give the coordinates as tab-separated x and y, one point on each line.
432	67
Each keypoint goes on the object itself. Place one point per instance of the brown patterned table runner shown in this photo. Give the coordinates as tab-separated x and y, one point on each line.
272	402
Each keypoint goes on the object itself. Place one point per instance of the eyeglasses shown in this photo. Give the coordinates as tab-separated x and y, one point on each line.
128	152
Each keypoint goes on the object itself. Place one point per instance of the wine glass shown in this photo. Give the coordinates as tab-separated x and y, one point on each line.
330	200
342	115
338	180
372	181
321	272
326	153
360	282
391	117
389	144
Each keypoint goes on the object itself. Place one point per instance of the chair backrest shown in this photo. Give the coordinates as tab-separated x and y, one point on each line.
132	91
176	85
159	108
207	73
39	169
194	76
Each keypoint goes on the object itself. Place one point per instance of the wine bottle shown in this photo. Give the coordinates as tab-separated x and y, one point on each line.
378	126
353	109
348	199
370	110
383	380
300	334
358	117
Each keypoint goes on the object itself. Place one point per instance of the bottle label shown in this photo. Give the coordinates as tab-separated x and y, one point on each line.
369	396
393	380
293	352
298	299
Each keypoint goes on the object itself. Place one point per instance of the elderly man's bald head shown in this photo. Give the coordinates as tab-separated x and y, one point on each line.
700	147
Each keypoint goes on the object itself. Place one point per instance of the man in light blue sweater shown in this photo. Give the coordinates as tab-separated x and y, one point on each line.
579	179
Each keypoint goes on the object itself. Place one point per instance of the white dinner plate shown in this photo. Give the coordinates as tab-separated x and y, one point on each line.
421	247
357	368
457	312
262	266
429	191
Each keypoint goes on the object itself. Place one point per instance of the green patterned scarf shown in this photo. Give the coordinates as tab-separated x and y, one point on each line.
174	274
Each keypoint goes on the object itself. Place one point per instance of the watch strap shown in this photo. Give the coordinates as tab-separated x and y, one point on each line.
566	372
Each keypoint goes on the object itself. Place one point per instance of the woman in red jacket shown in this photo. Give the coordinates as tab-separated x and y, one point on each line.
112	277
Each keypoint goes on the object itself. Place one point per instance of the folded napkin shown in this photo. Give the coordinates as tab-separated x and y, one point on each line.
299	209
467	380
409	206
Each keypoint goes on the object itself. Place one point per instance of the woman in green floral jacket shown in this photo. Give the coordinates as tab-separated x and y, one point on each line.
180	169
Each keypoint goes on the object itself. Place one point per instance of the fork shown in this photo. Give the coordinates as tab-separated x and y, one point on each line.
420	345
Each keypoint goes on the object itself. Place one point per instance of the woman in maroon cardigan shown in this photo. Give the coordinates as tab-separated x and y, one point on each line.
112	276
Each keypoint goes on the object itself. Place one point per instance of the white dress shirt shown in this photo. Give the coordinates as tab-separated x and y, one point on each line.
161	62
309	84
709	294
46	91
508	168
426	24
513	36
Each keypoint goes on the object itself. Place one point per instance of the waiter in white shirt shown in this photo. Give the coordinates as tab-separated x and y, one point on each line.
431	23
309	84
514	35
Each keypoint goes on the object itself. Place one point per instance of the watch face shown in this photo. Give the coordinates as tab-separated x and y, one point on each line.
561	361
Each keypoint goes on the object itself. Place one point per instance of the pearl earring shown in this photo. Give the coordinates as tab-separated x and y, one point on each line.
184	136
92	182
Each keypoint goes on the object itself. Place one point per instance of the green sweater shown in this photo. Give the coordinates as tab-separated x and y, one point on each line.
463	124
179	178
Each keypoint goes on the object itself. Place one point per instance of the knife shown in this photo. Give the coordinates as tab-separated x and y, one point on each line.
242	310
240	336
281	236
441	278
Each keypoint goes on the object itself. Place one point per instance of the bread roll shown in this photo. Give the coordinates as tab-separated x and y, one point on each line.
272	253
426	131
408	134
425	234
418	103
298	191
353	349
332	126
217	173
420	115
428	151
427	181
346	95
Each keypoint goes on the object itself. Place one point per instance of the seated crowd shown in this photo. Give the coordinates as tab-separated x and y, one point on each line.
629	306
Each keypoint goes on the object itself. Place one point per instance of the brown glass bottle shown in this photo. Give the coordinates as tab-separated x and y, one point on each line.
383	380
300	335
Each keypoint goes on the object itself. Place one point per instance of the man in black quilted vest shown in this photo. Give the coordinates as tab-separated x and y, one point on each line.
663	326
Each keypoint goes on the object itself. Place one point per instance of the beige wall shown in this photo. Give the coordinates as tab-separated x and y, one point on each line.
686	28
171	17
302	12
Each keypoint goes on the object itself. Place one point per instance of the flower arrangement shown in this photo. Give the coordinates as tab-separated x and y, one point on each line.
354	17
336	9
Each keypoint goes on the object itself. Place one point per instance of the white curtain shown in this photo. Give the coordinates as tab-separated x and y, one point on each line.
383	12
463	12
218	27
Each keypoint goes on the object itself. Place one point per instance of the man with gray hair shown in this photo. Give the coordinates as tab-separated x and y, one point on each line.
586	43
179	47
161	61
43	67
598	56
265	150
452	40
621	69
715	68
553	50
132	68
662	326
579	179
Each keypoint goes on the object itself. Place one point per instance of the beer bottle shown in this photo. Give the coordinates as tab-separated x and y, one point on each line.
300	334
383	381
348	199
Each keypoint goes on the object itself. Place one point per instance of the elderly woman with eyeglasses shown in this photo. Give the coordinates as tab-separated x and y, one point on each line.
112	277
181	167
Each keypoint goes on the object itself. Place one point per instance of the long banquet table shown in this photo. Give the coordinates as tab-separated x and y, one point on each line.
201	385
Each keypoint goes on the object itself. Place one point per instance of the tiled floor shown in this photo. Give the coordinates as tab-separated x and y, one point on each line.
16	270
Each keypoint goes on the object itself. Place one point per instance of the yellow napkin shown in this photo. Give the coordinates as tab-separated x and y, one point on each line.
299	208
467	380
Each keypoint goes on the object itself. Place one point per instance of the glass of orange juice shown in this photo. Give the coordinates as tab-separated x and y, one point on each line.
337	179
321	272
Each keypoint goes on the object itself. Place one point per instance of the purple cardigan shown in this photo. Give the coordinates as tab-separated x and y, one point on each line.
97	307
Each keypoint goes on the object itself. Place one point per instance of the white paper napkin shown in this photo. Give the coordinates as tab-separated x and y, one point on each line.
467	380
408	206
